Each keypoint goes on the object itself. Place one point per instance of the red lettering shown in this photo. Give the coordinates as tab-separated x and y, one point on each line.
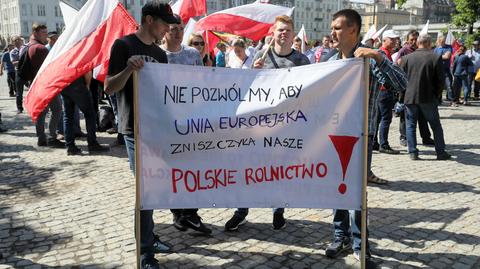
209	177
218	172
194	180
286	172
259	178
248	175
231	175
175	178
321	166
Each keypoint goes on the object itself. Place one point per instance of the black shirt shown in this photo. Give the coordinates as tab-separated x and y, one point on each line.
121	51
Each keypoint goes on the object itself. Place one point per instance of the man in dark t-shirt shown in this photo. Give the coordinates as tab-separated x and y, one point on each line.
128	55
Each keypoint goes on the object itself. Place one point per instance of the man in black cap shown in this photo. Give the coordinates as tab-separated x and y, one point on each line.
128	55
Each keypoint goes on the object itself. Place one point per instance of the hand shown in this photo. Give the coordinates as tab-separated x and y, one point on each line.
367	52
135	63
259	63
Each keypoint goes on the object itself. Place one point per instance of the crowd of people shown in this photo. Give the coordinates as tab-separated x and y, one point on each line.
406	80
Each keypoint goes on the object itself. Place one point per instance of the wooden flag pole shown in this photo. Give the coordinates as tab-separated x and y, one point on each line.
268	48
363	246
137	171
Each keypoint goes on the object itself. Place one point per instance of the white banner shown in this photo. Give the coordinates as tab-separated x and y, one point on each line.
251	138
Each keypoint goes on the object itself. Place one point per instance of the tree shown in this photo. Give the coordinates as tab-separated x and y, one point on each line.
467	13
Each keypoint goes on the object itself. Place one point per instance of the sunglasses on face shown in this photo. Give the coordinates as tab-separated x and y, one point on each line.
201	43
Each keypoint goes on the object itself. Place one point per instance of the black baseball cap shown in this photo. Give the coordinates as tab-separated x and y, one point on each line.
160	10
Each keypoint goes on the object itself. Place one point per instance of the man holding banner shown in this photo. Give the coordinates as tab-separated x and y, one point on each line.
128	55
281	55
345	34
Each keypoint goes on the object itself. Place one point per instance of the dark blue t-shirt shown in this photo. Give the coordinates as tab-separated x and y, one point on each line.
7	63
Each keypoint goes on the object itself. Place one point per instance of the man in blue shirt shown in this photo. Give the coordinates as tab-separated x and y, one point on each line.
6	64
220	58
446	52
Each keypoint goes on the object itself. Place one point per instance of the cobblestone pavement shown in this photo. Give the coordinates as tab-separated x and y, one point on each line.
77	212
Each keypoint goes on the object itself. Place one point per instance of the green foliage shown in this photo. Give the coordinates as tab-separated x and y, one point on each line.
400	3
467	12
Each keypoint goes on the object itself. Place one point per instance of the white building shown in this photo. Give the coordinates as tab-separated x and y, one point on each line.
17	16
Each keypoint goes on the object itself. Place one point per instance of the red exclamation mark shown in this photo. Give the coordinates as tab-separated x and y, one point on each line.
344	147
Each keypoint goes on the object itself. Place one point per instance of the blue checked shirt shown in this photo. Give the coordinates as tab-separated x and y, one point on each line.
385	73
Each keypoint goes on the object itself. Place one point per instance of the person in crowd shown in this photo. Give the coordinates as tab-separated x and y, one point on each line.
240	58
128	55
2	128
280	55
297	44
425	74
461	67
180	54
220	57
409	47
446	52
196	41
323	51
37	52
6	64
386	99
52	39
346	26
474	55
19	84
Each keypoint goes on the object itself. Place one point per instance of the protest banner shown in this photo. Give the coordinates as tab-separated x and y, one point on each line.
218	137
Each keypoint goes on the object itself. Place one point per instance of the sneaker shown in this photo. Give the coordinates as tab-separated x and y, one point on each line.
235	222
149	262
195	222
112	130
95	147
278	221
403	142
376	146
388	150
19	111
369	263
74	150
178	222
12	95
414	156
159	246
42	142
55	143
444	156
428	142
338	246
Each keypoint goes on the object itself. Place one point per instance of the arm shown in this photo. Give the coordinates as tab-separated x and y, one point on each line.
439	83
447	55
88	78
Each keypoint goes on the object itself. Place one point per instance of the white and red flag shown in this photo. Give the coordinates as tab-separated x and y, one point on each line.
84	45
302	34
251	21
187	9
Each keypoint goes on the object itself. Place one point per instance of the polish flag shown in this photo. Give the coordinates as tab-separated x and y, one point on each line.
187	9
302	34
84	45
251	21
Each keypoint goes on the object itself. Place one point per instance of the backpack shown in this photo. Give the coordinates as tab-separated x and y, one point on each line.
106	118
24	68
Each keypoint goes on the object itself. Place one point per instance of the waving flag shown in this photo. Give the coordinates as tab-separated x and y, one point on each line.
379	33
187	9
82	47
251	21
69	13
425	29
369	35
302	34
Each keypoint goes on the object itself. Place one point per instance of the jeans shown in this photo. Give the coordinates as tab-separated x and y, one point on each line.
19	84
422	126
384	116
77	93
448	84
76	121
55	107
146	216
430	112
458	83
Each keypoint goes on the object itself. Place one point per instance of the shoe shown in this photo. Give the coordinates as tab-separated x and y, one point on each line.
19	111
465	103
60	137
12	95
403	142
41	142
369	263
74	150
414	156
195	222
159	246
338	246
80	135
2	130
95	148
376	146
444	156
178	222
278	221
376	180
149	262
234	223
112	130
428	142
55	143
388	150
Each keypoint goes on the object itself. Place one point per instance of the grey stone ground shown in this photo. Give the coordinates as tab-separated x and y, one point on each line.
77	212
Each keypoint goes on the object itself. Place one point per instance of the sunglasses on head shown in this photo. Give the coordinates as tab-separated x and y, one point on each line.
201	43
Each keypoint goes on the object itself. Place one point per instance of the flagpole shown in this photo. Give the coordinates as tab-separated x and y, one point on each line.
363	246
137	171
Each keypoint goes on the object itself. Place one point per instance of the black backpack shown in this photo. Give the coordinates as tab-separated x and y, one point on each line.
24	68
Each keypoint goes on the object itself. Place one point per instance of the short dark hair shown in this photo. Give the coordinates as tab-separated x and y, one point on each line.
37	27
352	17
412	32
